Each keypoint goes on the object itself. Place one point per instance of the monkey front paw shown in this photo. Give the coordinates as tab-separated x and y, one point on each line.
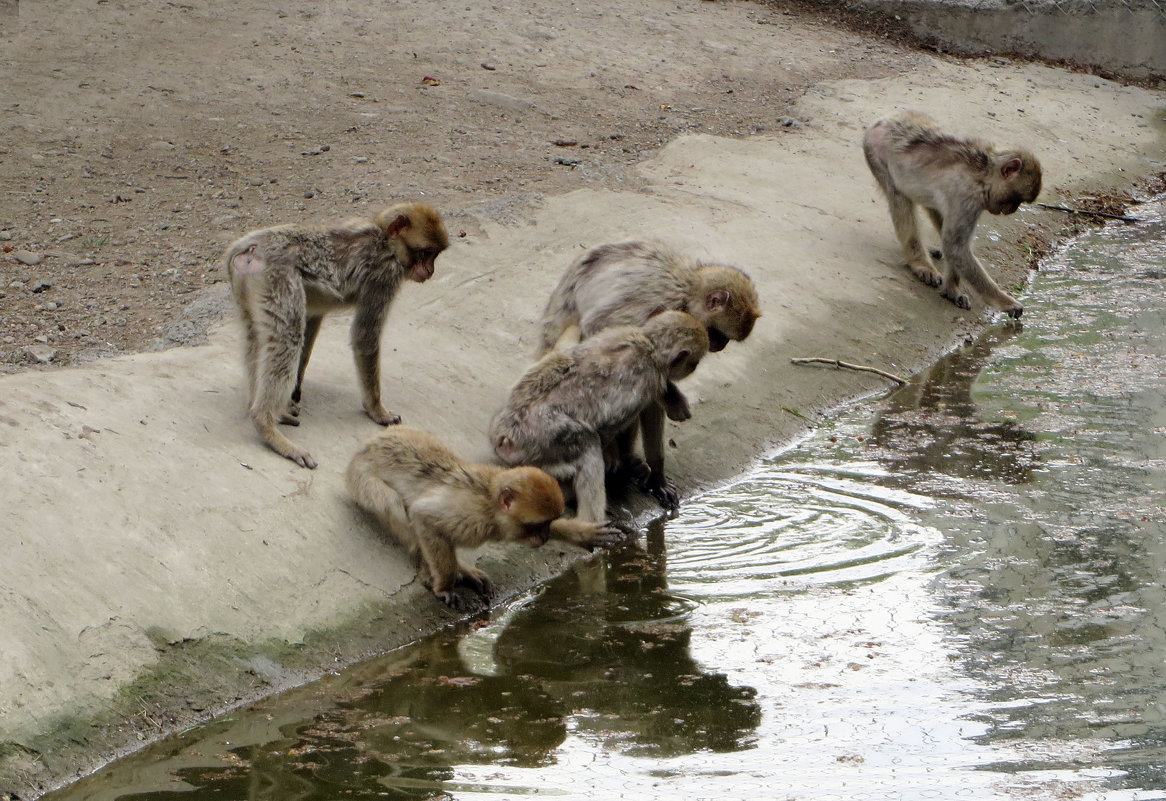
678	410
605	535
477	581
675	404
666	494
926	274
450	599
382	416
303	459
1014	311
959	299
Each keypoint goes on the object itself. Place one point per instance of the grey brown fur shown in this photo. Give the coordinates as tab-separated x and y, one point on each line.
433	503
573	404
954	180
287	278
626	283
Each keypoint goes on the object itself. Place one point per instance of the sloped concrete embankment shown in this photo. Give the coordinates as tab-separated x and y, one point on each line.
1119	37
161	565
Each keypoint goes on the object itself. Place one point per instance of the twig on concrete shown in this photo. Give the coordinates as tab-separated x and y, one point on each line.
860	367
1105	214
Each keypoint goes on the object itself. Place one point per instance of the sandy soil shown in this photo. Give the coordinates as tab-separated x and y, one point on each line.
139	137
159	565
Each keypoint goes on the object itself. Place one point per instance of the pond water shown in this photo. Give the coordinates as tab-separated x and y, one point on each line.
952	592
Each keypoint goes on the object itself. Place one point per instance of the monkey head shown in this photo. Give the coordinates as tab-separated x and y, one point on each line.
680	341
417	234
1015	179
727	304
527	501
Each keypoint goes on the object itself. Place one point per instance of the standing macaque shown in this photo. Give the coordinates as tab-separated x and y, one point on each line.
286	278
954	180
433	503
570	409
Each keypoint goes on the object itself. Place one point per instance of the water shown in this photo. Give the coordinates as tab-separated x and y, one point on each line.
960	599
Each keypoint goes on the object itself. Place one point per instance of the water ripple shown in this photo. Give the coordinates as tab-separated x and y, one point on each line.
785	529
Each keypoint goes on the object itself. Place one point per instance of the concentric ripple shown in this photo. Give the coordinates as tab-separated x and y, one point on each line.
782	528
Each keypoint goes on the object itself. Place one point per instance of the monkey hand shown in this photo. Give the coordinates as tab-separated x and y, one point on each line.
476	580
664	491
585	533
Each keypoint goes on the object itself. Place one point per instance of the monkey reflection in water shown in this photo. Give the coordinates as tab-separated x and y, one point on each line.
934	423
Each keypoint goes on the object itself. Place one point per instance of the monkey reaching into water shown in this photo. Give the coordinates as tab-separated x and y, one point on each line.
570	409
954	180
433	503
286	278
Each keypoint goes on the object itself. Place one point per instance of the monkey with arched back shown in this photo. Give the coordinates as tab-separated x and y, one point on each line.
954	180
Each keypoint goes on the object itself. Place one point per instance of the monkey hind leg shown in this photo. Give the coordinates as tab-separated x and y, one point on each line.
590	491
374	495
951	289
907	230
278	322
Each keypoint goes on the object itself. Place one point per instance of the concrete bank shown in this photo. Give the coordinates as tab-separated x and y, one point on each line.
160	565
1126	38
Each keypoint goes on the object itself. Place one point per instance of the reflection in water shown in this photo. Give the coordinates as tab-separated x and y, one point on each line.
933	424
602	654
962	599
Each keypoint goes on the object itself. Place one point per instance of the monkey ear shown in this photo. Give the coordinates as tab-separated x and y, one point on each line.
506	498
1011	167
680	357
658	310
400	223
716	300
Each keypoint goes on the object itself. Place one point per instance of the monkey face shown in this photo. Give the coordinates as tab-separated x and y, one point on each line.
424	261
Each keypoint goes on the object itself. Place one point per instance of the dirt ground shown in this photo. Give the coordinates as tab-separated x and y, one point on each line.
140	137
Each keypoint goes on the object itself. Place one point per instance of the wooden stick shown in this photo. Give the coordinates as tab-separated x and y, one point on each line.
860	367
1105	214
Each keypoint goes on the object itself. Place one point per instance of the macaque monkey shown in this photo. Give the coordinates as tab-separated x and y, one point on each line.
625	284
570	409
286	278
433	503
954	180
